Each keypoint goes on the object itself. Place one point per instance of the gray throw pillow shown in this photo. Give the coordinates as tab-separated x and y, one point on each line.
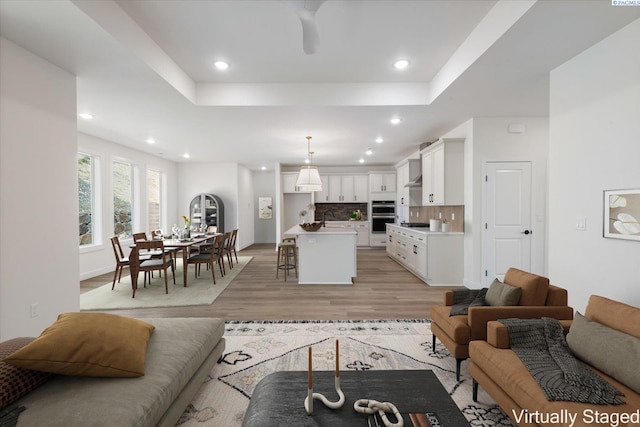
502	294
608	350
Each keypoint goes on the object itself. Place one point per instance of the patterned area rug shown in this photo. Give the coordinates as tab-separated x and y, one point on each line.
256	349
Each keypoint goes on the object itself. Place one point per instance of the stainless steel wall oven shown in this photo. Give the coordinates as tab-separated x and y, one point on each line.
383	212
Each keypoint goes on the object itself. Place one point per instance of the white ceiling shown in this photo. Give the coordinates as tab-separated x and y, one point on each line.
144	69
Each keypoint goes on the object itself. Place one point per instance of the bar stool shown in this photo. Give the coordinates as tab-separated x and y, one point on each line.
287	257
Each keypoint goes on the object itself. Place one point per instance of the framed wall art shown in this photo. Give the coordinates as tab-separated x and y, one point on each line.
265	207
622	214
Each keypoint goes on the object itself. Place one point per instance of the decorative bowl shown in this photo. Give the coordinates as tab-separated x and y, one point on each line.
314	226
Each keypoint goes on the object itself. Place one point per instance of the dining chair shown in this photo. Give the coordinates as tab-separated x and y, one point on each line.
207	245
227	248
234	236
121	260
137	237
209	258
154	264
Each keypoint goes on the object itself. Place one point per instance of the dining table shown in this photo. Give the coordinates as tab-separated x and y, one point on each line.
185	245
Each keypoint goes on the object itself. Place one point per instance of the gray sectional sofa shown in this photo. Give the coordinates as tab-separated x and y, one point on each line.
180	355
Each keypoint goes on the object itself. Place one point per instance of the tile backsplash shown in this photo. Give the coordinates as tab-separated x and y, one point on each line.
341	211
425	213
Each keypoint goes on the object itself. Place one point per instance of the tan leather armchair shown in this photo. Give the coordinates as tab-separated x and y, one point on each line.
538	299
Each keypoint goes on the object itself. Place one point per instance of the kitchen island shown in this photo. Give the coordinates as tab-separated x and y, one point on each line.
326	256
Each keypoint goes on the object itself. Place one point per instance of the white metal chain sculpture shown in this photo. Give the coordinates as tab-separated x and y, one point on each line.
370	406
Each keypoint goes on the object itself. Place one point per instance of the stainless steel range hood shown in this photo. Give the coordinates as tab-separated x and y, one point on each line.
415	173
415	183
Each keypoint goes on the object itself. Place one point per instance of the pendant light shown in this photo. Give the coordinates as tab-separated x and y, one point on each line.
309	178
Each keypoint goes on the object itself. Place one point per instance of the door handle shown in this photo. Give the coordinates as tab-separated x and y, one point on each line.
527	232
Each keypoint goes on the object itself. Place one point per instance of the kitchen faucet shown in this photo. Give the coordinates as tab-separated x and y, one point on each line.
323	214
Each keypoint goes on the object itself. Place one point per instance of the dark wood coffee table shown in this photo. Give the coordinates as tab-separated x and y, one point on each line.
278	400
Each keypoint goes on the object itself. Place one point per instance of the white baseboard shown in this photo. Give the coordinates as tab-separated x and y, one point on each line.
97	272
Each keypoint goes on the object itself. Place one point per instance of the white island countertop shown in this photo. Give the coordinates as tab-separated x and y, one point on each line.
297	230
326	256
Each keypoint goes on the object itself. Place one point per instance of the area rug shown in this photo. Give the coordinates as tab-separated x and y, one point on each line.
199	291
256	349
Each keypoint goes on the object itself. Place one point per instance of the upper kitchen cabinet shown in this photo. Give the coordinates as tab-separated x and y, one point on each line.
360	188
443	172
383	182
289	183
343	189
409	183
322	196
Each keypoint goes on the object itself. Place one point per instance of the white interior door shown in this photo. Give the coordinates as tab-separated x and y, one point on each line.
508	218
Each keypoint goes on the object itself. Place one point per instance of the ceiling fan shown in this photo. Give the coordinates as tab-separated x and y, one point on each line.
306	11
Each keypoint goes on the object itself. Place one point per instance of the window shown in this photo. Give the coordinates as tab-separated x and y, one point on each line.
86	198
154	199
122	199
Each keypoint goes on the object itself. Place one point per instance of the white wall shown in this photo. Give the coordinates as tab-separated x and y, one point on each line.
99	259
594	146
246	209
487	139
264	184
38	192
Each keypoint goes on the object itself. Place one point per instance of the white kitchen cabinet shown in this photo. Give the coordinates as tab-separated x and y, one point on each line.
289	183
322	196
443	173
436	258
335	188
445	259
384	182
407	173
344	189
362	228
360	188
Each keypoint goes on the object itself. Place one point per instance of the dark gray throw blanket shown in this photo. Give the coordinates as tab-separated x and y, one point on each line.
9	416
465	298
541	345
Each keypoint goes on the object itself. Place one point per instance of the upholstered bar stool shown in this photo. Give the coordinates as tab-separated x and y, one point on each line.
287	257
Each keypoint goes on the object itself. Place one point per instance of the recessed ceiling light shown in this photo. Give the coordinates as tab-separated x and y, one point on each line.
401	64
86	116
151	141
369	151
361	160
186	155
396	120
379	140
264	168
221	65
307	160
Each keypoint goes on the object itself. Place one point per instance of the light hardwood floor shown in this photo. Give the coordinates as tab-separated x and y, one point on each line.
382	290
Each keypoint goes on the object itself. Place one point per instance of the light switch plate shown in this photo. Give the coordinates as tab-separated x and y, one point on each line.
581	224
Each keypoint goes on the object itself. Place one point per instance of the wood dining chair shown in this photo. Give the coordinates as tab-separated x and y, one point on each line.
234	236
172	252
121	260
227	249
207	245
210	258
163	263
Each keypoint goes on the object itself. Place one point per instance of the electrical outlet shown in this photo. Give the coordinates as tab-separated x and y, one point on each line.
440	215
417	214
34	309
453	216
